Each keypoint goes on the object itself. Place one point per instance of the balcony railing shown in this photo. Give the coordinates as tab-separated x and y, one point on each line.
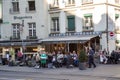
55	30
31	37
87	1
87	28
12	11
28	10
70	30
70	3
54	5
14	38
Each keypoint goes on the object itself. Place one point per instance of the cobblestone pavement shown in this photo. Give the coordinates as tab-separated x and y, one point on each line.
112	70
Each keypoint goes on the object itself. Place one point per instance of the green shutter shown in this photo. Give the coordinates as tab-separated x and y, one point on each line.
71	23
116	16
88	15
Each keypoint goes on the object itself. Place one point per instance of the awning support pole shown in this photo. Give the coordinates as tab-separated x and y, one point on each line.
68	46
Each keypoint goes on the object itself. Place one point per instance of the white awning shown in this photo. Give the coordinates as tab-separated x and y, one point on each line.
68	39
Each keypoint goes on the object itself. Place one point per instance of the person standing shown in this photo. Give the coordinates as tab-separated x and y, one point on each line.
19	55
91	58
43	59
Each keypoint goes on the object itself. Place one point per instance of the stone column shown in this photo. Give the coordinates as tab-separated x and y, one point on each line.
78	21
62	21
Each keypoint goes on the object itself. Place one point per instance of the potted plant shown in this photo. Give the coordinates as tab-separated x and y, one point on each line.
82	60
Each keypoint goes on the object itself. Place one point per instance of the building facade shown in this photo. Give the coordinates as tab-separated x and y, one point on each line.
65	25
23	25
79	23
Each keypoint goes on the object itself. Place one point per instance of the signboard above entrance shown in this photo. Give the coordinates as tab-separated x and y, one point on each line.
74	34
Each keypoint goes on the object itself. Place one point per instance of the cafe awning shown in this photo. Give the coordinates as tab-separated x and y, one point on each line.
74	39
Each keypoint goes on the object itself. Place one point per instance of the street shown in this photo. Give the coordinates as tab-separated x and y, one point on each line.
4	75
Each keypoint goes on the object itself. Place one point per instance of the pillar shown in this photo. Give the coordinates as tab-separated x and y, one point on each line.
62	21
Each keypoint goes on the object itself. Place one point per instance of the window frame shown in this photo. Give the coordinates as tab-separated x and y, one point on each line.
55	24
33	7
87	1
117	16
32	29
88	22
69	19
16	30
117	1
15	6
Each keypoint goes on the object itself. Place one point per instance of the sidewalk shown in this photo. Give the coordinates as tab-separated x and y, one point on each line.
112	70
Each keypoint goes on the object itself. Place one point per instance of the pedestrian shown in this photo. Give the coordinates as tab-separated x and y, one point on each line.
69	60
103	58
19	55
91	58
43	59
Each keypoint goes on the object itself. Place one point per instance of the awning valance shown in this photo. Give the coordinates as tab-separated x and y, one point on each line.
66	39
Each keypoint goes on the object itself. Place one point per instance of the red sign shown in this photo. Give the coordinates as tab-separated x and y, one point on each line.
111	34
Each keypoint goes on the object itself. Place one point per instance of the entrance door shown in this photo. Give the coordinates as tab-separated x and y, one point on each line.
72	47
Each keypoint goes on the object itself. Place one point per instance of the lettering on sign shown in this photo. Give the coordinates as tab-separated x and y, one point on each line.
22	17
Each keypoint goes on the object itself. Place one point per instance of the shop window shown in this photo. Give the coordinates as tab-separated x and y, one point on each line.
31	49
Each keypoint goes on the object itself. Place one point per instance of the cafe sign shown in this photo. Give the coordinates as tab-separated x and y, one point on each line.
75	34
22	17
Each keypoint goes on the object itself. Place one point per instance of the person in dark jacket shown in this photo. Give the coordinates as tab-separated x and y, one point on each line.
91	58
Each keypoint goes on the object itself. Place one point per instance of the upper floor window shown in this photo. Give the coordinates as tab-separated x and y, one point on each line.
15	7
116	16
117	1
31	5
16	30
86	1
71	23
55	24
54	3
87	22
32	29
70	2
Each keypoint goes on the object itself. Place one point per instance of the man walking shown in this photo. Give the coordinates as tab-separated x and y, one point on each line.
91	58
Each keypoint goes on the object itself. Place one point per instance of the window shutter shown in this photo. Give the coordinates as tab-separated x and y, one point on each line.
71	23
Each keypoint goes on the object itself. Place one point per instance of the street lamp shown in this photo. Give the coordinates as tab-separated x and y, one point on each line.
107	32
21	32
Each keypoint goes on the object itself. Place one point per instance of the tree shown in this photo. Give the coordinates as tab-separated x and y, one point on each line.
82	60
82	56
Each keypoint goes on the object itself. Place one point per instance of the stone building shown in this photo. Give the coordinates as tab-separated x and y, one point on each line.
74	24
61	25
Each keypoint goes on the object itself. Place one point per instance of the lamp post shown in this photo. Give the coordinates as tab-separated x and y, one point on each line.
107	32
22	44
